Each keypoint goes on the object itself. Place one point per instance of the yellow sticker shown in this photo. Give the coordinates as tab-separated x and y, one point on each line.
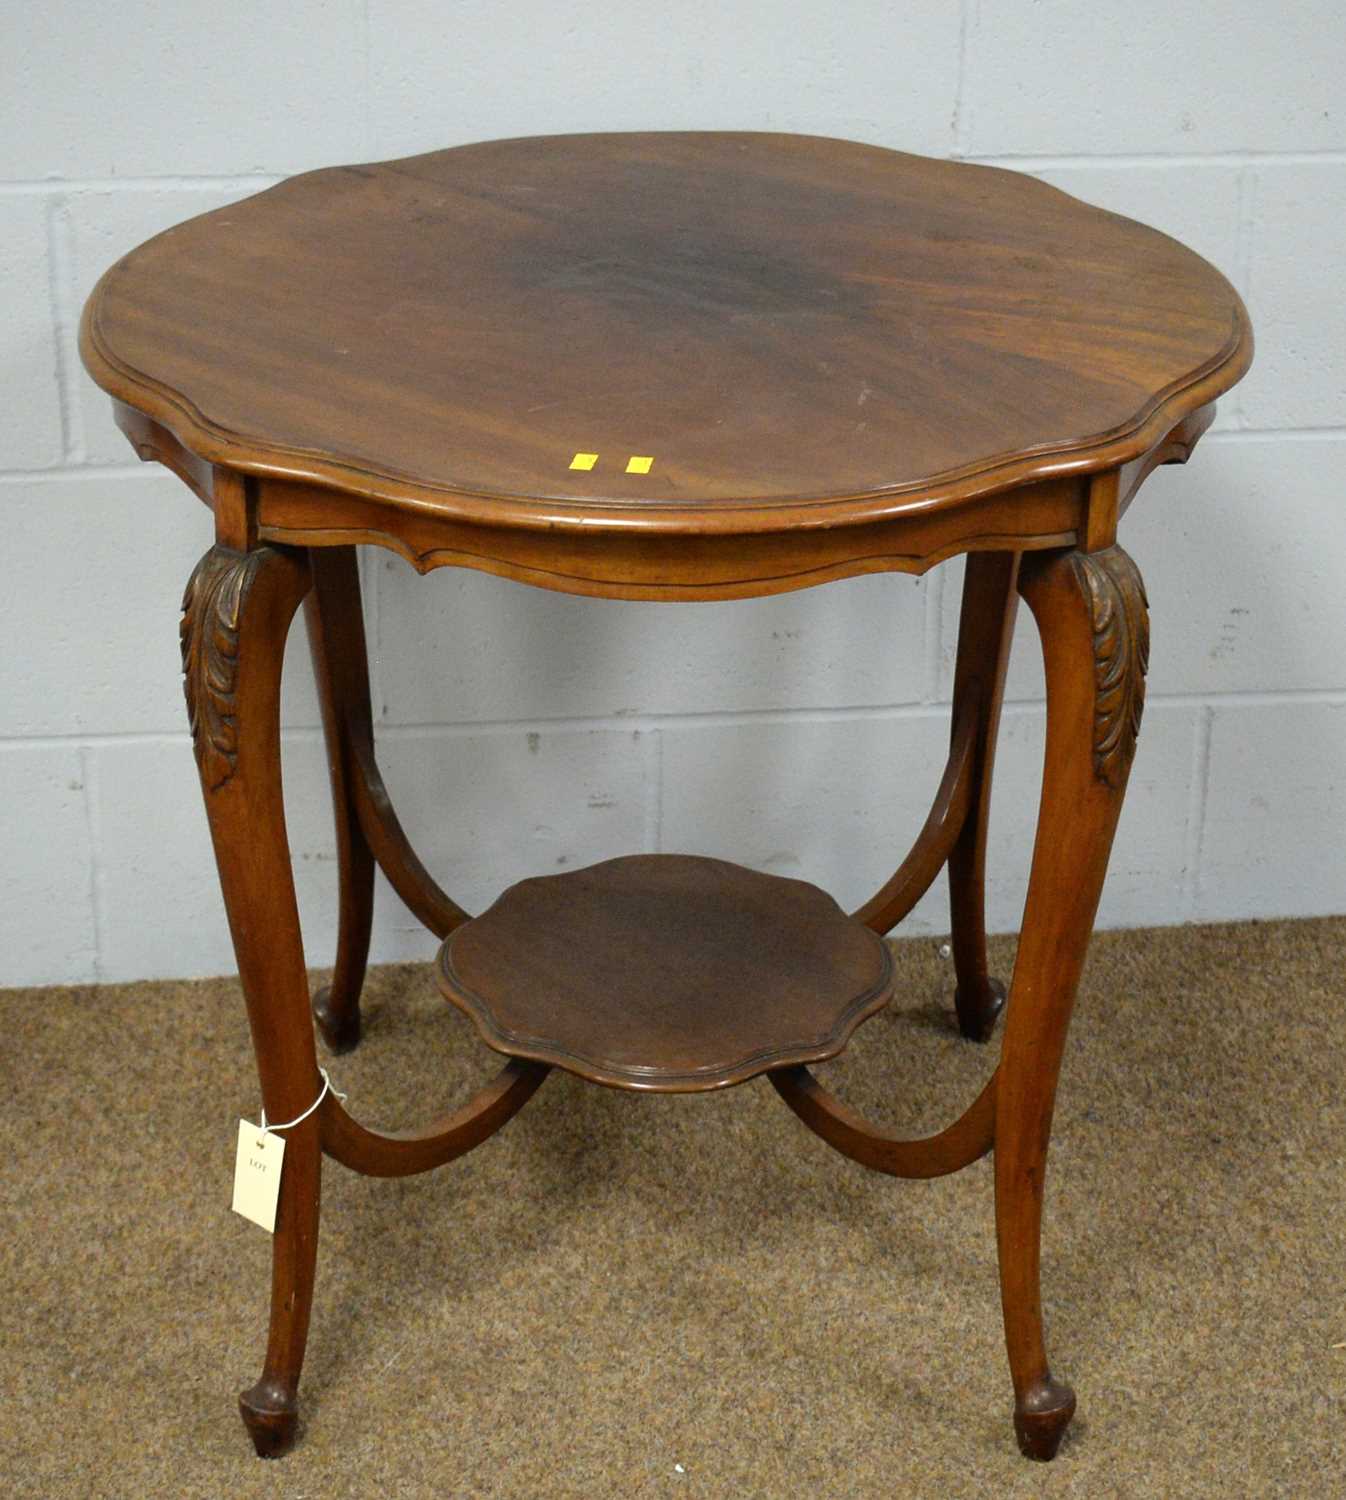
584	461
637	465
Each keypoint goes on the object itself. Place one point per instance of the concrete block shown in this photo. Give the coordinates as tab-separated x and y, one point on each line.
1057	78
1197	203
1294	295
458	646
1148	878
1023	680
159	896
840	802
106	223
1272	844
487	809
47	927
1241	551
835	802
441	78
30	421
483	811
100	654
1242	556
1242	598
140	89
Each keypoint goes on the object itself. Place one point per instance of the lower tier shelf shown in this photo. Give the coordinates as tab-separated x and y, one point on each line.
668	973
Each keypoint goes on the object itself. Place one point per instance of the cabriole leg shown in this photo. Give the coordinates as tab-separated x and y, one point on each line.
336	638
1091	613
236	615
984	632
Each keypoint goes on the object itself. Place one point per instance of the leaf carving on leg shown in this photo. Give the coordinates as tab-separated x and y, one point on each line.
211	609
1120	618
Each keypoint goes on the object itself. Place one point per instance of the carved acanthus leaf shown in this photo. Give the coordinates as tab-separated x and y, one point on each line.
211	608
1121	625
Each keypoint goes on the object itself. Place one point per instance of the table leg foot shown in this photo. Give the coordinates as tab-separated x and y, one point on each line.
978	1006
270	1412
339	1026
1041	1416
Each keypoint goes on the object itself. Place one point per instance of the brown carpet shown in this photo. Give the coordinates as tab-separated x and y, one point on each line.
693	1296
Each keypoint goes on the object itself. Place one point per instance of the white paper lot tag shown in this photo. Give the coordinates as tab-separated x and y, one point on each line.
257	1174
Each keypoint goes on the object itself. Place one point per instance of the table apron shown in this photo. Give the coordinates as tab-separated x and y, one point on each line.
636	564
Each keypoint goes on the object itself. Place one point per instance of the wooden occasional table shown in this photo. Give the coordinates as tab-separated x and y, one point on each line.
679	367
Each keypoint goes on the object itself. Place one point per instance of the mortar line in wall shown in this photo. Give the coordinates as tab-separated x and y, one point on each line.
663	787
1243	246
711	718
654	791
64	320
1027	162
625	723
189	183
958	124
1250	698
377	561
369	593
60	472
934	631
1267	434
1243	259
1194	842
88	782
368	79
11	744
599	724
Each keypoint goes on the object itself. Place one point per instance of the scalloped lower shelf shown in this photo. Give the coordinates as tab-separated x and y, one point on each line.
667	973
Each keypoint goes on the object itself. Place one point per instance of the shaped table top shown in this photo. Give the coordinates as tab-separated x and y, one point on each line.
717	320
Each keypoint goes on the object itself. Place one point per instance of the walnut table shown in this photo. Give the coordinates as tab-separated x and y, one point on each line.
678	367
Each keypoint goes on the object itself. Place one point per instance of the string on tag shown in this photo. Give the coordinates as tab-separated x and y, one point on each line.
327	1086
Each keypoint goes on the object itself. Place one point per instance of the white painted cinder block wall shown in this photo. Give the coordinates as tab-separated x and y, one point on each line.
527	732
